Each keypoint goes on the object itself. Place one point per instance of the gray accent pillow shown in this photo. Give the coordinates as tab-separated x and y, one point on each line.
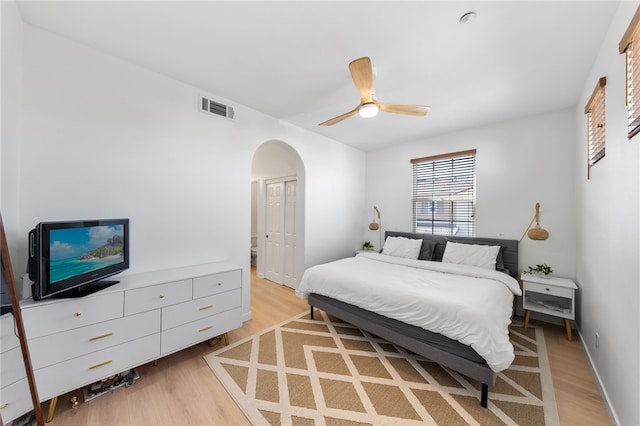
426	252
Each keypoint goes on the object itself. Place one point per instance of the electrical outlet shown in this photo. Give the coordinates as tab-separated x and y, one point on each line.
597	340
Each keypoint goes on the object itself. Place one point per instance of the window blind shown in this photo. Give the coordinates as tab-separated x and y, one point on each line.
596	134
444	194
630	45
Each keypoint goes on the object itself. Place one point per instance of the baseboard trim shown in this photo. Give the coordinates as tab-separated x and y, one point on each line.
603	391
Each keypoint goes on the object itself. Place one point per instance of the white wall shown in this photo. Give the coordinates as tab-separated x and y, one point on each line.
608	239
273	160
335	202
10	124
104	138
518	163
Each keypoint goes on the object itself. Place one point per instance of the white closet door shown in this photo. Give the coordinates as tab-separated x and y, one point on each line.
290	236
275	222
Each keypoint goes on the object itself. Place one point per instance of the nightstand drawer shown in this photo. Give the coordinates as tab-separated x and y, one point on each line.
548	289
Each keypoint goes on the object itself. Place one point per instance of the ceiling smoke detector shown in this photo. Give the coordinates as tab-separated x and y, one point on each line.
467	17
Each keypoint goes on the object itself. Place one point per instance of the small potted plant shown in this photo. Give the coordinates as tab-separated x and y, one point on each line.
367	245
543	270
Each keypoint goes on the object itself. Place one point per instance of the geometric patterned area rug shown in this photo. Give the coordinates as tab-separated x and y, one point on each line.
327	372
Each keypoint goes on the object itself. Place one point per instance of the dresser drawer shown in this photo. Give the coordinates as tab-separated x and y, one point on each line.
157	296
15	400
66	314
12	366
8	337
49	350
216	283
198	331
77	372
183	313
548	289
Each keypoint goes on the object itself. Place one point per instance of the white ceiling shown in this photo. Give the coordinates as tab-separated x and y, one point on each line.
290	59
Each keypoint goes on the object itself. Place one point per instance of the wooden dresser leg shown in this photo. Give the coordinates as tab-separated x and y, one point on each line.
52	408
216	340
567	326
527	313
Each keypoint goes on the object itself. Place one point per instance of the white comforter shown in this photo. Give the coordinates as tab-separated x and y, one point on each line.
465	303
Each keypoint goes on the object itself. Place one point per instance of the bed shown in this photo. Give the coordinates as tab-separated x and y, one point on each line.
455	313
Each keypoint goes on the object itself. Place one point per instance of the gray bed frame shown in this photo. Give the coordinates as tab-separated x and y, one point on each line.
435	347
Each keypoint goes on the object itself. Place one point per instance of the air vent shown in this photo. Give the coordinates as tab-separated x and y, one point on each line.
212	107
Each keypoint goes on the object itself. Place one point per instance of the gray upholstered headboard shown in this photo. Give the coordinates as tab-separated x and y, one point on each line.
509	247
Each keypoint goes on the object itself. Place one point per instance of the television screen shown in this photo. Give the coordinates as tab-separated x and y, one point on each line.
76	251
72	258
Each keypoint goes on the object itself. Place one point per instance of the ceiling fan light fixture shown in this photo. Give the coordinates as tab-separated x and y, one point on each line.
362	74
368	110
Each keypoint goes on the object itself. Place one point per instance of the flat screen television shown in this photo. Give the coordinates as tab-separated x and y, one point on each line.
73	258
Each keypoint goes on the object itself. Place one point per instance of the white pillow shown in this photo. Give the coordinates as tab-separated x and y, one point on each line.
471	254
402	247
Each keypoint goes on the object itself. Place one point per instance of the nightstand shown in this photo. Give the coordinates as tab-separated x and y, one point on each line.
552	296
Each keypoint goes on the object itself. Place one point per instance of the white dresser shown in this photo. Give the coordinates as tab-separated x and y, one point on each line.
75	342
15	397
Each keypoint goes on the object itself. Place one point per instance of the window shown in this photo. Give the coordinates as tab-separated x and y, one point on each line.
596	132
444	194
630	46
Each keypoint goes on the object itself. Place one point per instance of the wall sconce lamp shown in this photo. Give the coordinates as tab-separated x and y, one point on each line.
375	226
536	233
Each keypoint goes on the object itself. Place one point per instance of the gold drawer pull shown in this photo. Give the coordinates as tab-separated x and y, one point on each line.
205	328
219	283
100	337
161	296
100	365
78	313
4	405
206	307
548	289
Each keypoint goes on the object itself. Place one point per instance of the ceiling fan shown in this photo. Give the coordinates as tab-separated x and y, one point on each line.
362	75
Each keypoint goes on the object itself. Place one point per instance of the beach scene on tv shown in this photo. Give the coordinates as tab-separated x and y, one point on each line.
76	251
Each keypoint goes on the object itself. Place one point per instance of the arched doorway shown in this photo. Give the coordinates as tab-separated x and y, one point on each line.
277	210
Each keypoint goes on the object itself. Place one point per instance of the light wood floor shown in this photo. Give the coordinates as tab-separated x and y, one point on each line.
182	390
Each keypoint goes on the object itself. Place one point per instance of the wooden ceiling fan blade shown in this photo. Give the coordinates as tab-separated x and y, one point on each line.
339	118
404	109
362	75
